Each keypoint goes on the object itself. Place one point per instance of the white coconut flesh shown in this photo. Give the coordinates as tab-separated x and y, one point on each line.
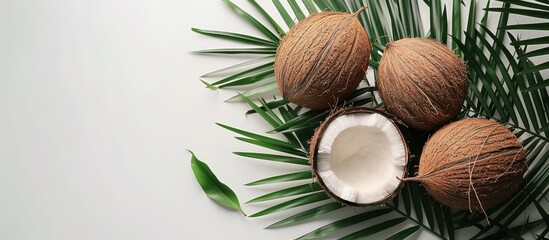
360	156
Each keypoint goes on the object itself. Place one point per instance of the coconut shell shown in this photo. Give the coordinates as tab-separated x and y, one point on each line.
422	82
472	164
322	59
316	141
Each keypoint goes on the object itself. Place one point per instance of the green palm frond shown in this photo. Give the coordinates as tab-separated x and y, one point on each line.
307	215
537	10
303	175
504	85
347	222
288	192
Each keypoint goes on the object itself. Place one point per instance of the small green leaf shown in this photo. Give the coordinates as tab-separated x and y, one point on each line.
214	188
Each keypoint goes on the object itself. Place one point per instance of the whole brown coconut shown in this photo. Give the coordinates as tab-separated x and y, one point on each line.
422	82
322	59
472	164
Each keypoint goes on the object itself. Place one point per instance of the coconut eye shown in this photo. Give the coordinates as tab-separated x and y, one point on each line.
322	59
358	156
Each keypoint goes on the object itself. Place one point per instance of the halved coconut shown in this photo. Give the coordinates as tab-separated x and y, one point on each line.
358	156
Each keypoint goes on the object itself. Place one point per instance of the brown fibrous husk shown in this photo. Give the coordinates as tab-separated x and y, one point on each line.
317	137
322	59
472	164
422	82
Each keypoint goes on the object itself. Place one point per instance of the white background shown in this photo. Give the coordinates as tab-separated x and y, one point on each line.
99	101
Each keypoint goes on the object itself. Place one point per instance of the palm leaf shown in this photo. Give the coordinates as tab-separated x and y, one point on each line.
406	232
274	157
300	201
536	9
242	75
297	10
254	22
311	8
284	13
288	192
261	138
306	215
237	37
456	25
344	223
214	189
236	51
361	234
271	21
238	67
283	178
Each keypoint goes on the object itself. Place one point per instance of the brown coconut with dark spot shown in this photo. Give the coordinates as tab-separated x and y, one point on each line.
422	82
358	155
322	59
472	164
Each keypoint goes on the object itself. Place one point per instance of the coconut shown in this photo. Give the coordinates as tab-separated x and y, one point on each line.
322	59
358	155
472	164
422	82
